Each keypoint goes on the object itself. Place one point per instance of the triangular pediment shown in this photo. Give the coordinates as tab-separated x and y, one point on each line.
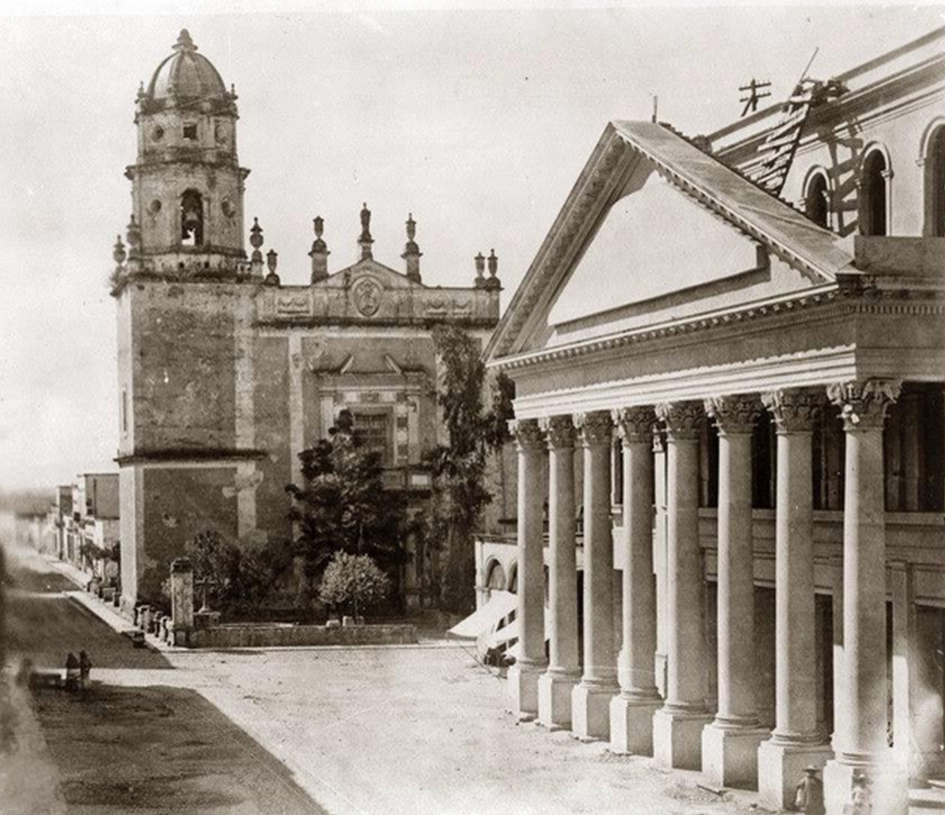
657	230
383	275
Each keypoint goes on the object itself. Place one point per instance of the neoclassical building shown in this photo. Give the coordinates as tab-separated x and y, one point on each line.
729	358
225	374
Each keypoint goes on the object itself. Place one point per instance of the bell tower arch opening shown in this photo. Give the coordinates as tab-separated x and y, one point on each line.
191	219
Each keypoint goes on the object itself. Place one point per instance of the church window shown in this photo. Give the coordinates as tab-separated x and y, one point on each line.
228	208
374	432
191	219
816	203
935	169
190	132
157	133
154	207
873	195
124	411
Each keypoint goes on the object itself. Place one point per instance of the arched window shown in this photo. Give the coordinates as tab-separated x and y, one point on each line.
191	219
873	192
495	580
815	202
935	179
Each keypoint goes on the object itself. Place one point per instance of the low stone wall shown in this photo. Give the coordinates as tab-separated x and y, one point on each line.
237	635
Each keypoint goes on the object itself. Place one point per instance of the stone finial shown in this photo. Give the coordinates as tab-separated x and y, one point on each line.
527	433
493	281
118	252
793	410
594	428
559	431
184	42
480	261
133	236
412	253
634	424
319	253
682	419
365	240
272	260
734	414
256	240
863	404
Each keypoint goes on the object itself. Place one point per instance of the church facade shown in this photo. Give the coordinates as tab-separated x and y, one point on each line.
729	360
225	374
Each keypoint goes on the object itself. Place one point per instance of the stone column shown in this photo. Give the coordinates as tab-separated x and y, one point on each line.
523	675
631	712
836	611
557	683
730	744
861	742
677	726
590	700
796	742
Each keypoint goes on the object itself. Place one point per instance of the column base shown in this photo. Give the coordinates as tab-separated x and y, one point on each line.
631	724
888	784
523	690
781	767
730	754
677	738
554	699
590	710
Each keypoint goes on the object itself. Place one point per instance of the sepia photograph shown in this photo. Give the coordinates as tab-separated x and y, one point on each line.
502	407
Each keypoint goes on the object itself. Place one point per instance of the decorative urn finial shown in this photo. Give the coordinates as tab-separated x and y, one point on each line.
493	261
412	253
256	240
184	42
319	253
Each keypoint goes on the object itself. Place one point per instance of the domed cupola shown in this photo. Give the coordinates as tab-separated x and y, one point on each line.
186	75
187	183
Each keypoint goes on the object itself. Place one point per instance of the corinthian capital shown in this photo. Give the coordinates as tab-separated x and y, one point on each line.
863	403
558	430
634	424
734	414
594	428
682	419
527	433
792	409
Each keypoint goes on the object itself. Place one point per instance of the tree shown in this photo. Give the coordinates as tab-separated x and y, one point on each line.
351	582
343	506
459	467
216	565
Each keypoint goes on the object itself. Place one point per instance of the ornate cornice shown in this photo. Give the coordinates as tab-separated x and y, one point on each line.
559	431
683	420
528	435
635	424
784	308
793	409
594	428
863	403
734	414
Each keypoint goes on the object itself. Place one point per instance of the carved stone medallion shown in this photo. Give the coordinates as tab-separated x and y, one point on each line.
367	297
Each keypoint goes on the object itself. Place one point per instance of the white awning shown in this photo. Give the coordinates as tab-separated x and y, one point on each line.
501	604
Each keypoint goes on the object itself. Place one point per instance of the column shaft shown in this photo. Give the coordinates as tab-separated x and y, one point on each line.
862	729
631	713
523	676
555	686
796	741
677	726
591	698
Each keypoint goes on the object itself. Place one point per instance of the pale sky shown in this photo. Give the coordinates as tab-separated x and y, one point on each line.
476	121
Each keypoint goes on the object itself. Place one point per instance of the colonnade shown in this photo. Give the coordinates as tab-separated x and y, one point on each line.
614	697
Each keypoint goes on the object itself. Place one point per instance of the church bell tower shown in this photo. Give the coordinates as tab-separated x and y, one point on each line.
187	185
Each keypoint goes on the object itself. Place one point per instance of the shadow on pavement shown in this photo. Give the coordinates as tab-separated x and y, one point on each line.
160	749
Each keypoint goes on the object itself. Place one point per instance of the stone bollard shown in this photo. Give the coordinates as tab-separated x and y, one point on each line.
182	600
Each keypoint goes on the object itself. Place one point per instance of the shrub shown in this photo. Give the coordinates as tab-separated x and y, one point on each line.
351	582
